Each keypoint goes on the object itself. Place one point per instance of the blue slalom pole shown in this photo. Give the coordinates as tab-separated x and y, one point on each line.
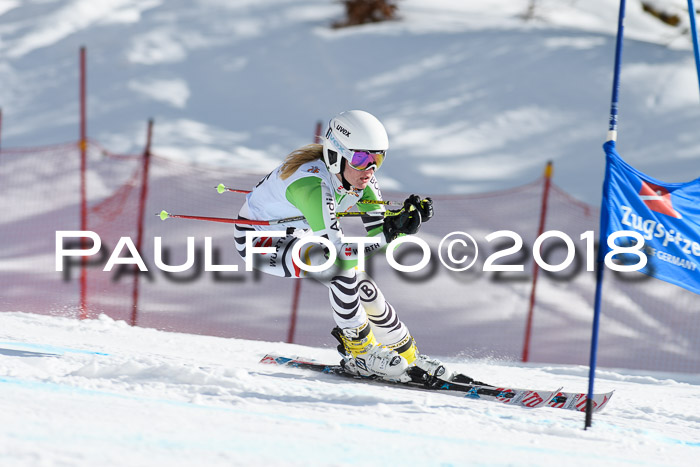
694	35
612	127
612	136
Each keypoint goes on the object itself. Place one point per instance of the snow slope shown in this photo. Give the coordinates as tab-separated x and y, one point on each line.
99	392
474	97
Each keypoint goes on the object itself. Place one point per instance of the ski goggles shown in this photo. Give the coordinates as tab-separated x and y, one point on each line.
364	160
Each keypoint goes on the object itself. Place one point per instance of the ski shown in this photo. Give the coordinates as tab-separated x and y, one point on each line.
577	401
561	400
512	396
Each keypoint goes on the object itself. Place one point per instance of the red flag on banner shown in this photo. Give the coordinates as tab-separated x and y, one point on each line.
658	199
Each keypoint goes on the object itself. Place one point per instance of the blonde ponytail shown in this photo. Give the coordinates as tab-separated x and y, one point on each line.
300	157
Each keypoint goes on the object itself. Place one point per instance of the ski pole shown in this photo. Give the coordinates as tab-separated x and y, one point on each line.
166	215
221	188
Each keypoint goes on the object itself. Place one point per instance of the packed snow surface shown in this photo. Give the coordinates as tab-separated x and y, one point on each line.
99	392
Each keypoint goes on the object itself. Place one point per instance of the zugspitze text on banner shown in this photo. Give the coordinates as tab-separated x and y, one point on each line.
667	215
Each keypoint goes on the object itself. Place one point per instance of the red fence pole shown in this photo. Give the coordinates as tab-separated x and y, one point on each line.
142	208
535	269
83	187
297	283
295	308
317	138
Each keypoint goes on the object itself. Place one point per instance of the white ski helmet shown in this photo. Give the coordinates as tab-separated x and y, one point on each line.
354	134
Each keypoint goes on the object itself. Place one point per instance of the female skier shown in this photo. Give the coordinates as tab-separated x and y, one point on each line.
317	181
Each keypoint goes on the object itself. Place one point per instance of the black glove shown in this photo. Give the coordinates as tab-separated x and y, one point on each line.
402	221
423	206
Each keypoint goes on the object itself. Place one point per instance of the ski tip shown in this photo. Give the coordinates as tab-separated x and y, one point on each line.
163	215
606	398
220	188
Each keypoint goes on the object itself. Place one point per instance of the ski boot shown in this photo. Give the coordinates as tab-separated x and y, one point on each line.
431	371
364	356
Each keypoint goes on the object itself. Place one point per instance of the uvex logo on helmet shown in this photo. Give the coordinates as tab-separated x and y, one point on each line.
367	133
342	130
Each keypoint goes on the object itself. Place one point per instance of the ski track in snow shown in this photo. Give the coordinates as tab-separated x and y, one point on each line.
100	392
